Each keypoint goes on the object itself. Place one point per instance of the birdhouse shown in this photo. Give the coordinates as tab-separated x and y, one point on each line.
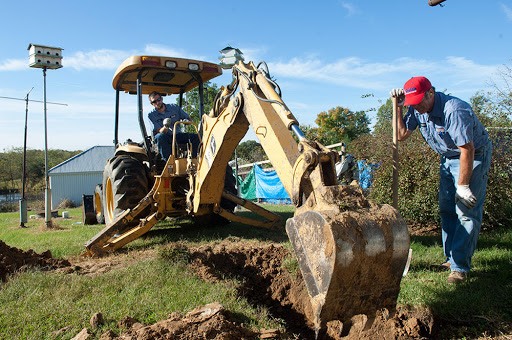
229	57
45	56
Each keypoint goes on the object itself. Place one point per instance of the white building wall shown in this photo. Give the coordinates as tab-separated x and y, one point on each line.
72	186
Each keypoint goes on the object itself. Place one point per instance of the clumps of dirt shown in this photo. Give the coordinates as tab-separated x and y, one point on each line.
424	230
92	266
265	282
267	277
211	321
13	259
407	323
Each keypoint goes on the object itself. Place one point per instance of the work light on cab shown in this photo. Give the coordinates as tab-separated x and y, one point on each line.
193	67
170	64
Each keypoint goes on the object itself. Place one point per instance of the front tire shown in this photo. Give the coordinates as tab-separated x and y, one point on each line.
125	183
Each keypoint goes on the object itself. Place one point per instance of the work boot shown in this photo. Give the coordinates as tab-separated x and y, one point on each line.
456	277
440	267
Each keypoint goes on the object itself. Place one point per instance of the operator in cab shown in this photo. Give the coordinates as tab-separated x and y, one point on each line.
164	133
451	128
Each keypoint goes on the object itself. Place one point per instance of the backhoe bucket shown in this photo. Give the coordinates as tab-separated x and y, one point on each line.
352	254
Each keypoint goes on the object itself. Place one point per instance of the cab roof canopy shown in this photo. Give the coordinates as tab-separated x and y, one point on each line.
166	75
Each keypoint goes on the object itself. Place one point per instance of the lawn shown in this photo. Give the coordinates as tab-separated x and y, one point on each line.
34	304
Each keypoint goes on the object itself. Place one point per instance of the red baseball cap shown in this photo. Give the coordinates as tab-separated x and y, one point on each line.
415	89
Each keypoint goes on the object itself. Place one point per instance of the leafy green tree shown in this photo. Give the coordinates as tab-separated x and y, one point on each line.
341	124
384	118
11	166
488	112
191	100
251	152
503	91
309	131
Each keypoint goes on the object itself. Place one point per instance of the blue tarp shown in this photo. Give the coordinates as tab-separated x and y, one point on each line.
366	171
269	187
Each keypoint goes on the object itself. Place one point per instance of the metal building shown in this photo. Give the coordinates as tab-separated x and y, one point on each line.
78	175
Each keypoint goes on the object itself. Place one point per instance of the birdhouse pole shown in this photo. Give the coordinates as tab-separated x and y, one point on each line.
45	57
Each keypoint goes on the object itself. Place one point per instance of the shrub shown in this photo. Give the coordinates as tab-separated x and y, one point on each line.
418	181
498	200
66	203
8	207
419	177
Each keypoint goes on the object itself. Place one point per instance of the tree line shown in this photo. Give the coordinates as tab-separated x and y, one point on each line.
11	167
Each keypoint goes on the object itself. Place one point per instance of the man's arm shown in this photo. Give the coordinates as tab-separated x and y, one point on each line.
403	131
157	126
467	156
163	129
464	193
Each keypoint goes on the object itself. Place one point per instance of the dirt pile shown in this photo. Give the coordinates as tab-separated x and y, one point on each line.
13	259
212	321
266	282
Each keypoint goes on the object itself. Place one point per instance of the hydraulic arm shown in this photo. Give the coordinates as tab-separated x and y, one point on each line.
351	252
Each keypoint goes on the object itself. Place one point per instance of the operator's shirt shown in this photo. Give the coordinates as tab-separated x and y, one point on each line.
450	124
172	111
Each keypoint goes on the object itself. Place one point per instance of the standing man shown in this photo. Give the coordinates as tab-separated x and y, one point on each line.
451	128
162	133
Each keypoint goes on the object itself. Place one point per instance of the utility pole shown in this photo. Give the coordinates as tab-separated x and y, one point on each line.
23	200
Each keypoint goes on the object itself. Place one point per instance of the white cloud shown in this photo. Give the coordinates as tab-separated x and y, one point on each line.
350	8
254	54
507	10
14	65
103	59
355	72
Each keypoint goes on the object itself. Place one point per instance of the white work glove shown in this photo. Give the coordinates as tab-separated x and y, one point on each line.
167	122
400	94
465	195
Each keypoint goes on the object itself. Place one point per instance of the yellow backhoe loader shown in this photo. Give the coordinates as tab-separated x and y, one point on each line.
351	252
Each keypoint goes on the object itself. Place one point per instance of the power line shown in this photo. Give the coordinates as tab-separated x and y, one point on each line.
37	101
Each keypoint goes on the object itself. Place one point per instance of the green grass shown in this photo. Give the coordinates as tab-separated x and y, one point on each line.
34	304
63	242
482	304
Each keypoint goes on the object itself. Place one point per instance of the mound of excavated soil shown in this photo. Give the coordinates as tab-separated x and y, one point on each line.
264	282
14	259
206	322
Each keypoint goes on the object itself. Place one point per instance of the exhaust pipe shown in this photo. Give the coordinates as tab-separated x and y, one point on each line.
435	2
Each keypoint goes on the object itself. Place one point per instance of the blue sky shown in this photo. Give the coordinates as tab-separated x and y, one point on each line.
323	54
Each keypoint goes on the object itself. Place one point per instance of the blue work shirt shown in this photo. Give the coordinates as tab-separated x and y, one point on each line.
172	111
450	124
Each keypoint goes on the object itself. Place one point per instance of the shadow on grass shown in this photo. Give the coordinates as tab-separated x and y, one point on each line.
481	305
184	228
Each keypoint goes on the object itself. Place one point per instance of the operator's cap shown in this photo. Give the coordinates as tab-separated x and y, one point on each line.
415	89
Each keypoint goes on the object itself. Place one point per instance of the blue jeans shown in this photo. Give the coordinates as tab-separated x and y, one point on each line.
164	143
461	225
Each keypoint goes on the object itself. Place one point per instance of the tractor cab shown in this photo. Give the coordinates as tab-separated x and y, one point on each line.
141	75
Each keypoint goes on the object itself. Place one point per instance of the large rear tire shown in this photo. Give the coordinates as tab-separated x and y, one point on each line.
98	203
125	183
